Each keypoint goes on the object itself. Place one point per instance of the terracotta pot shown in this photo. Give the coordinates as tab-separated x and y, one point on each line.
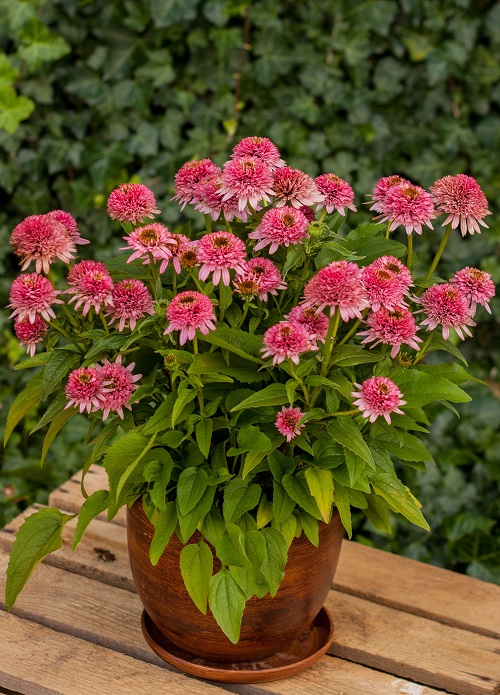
269	624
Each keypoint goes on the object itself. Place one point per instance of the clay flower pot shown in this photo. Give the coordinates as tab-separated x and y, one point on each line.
270	625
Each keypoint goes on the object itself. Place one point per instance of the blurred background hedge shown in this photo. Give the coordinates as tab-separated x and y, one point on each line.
94	93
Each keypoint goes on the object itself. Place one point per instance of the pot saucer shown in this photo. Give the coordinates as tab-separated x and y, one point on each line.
302	653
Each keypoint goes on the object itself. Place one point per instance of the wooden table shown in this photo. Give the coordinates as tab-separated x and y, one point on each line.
401	627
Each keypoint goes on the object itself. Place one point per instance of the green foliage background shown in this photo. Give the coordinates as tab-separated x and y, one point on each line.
108	92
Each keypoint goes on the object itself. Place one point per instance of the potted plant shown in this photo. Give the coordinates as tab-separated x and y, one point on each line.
245	387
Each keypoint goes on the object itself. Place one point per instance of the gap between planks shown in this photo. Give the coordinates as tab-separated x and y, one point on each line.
74	605
375	575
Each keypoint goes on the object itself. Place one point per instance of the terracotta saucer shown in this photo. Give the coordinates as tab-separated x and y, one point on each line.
301	654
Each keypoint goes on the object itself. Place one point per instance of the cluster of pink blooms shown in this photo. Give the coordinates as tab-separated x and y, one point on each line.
107	387
401	203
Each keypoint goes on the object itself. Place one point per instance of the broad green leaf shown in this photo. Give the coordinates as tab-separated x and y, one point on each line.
57	406
298	489
38	45
420	388
13	108
191	485
250	438
320	485
439	343
352	355
275	394
55	427
279	464
310	526
377	513
204	435
93	506
23	402
124	477
229	547
162	418
109	343
38	360
189	521
399	498
227	603
273	567
345	432
287	529
264	512
240	342
252	460
256	551
283	504
411	448
158	471
239	497
166	522
183	398
341	500
196	568
119	456
356	467
40	534
56	368
213	526
214	362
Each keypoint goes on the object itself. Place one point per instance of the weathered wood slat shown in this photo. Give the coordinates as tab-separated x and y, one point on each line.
76	605
368	633
375	575
36	660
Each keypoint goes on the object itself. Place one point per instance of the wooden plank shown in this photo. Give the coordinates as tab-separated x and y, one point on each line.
375	575
74	605
414	587
38	661
368	633
68	497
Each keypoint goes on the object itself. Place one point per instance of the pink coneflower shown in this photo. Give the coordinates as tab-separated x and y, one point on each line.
477	286
463	200
189	176
308	212
260	148
338	193
132	202
382	187
447	306
293	187
119	385
91	286
248	180
286	340
184	253
42	239
84	389
218	253
392	328
71	225
287	422
338	285
314	321
131	301
210	202
407	205
30	334
386	282
188	312
378	396
33	294
152	241
280	227
265	276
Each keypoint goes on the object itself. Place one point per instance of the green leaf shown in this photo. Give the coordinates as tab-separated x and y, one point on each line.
420	388
287	529
166	522
204	435
119	456
310	526
345	432
158	471
352	355
40	534
110	342
275	394
213	526
279	464
56	368
320	485
239	497
93	506
410	449
132	467
229	547
39	45
55	427
399	498
377	513
250	438
298	489
191	486
227	603
439	343
273	567
214	362
240	342
252	460
162	418
264	512
23	402
189	522
341	499
196	568
13	108
356	467
183	398
283	504
56	407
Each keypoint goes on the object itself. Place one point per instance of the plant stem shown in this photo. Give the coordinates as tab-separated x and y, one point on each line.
350	333
322	215
422	351
104	322
331	334
302	384
208	223
54	324
439	252
195	345
340	413
409	255
388	230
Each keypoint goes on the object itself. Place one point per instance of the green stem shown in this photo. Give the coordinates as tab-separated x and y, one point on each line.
208	223
322	215
70	316
422	350
439	252
54	324
388	230
340	413
302	384
174	281
104	322
331	334
409	255
246	306
195	345
350	333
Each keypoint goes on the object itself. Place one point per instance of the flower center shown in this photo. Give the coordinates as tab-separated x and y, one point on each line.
258	270
148	237
410	193
220	242
396	314
85	378
393	268
383	274
247	287
383	389
188	259
288	220
187	301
